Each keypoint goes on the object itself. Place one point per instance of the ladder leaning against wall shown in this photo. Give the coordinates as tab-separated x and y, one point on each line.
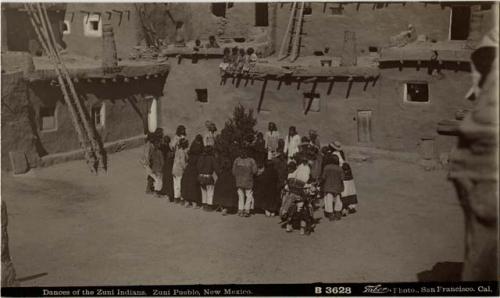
291	43
88	137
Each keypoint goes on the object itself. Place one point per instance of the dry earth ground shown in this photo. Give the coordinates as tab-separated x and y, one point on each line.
82	229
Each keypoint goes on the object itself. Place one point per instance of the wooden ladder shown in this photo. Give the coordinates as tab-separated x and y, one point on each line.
87	134
290	45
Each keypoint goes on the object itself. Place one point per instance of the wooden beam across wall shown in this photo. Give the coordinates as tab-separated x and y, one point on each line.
311	98
349	87
262	92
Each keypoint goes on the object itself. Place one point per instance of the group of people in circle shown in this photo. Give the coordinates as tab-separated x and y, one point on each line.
290	176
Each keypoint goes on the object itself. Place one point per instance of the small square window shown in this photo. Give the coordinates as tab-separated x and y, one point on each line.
48	121
99	115
201	95
373	49
66	27
336	11
92	25
417	92
307	8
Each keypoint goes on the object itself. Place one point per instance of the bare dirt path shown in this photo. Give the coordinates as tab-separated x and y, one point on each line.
86	230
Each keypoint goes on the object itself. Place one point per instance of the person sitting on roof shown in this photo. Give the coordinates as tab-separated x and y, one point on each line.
212	43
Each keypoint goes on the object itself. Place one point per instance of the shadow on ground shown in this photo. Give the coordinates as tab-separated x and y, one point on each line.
442	271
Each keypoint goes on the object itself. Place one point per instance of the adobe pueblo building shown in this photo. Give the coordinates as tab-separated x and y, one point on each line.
378	75
121	97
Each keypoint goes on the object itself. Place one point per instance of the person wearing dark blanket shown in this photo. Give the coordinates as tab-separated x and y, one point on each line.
266	193
146	156
259	149
190	186
225	193
348	197
280	165
168	157
206	169
332	178
156	164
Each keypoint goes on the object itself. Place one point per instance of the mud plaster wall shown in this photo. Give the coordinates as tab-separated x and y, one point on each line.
199	21
121	120
326	30
18	33
17	133
126	32
395	125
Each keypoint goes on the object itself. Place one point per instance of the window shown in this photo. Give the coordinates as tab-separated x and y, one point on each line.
417	92
307	8
92	25
373	49
66	27
460	22
99	115
336	11
261	14
219	9
201	95
48	120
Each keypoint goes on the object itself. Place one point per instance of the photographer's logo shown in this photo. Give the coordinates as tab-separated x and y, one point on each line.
378	289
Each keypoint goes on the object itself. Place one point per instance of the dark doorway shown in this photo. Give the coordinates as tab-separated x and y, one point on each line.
261	14
460	20
219	9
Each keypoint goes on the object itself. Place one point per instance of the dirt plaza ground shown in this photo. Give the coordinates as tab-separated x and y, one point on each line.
73	229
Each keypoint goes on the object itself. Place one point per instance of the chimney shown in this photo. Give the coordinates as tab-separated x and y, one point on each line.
349	52
109	56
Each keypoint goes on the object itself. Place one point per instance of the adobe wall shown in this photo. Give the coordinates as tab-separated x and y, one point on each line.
126	32
199	21
20	114
17	119
121	121
327	30
18	33
395	125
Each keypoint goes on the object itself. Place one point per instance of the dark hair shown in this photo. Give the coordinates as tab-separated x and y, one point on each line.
335	159
292	127
159	132
250	51
149	137
197	42
260	135
242	51
211	37
482	59
281	143
181	130
304	139
227	51
234	50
